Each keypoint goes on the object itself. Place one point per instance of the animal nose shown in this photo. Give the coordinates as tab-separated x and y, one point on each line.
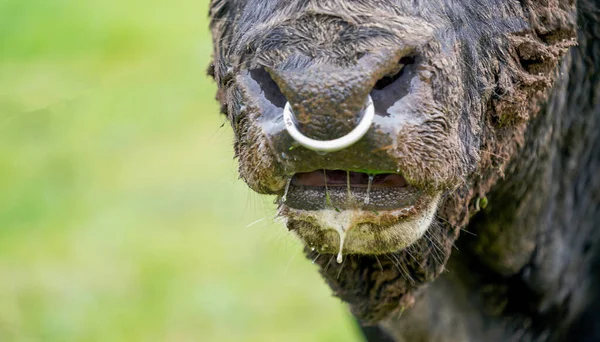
335	144
328	106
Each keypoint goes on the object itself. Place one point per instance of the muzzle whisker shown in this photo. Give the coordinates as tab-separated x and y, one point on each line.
328	263
413	257
258	221
404	269
436	250
394	263
287	188
341	268
379	263
317	257
434	247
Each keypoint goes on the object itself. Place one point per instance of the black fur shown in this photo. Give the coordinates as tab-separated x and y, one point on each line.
529	268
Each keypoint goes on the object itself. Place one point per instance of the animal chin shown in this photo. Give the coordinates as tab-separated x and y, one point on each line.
347	212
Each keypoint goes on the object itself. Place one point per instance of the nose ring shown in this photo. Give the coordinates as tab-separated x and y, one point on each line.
330	145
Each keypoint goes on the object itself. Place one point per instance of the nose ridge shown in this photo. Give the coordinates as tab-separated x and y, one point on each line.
328	99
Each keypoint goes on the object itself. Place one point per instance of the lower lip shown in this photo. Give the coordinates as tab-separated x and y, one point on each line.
341	198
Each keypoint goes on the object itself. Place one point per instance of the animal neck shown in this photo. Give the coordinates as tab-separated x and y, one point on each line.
538	235
526	269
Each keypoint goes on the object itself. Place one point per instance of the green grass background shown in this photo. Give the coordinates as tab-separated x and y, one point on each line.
121	215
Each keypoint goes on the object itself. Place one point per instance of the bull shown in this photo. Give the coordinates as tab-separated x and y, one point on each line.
386	127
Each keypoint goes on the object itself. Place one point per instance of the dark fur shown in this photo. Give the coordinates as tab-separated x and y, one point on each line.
526	271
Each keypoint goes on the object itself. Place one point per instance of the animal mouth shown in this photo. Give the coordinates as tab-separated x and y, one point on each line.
344	190
352	212
336	178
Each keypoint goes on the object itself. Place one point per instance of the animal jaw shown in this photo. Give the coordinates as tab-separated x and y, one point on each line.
359	231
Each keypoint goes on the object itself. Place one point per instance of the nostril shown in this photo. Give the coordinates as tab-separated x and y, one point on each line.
268	86
392	77
406	60
387	80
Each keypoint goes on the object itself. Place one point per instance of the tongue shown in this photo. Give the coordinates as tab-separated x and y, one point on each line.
321	178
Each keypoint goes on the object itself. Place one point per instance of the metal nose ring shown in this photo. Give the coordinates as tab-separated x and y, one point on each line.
330	145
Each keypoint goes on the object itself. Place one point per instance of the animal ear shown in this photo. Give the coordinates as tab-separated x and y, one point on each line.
526	76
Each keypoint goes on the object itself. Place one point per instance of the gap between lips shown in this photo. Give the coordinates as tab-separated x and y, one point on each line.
333	178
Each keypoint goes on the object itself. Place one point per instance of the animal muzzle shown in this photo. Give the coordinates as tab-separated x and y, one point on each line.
311	115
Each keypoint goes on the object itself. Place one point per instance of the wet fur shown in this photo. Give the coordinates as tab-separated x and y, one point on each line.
527	272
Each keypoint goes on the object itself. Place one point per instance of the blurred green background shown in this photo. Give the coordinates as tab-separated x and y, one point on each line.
121	215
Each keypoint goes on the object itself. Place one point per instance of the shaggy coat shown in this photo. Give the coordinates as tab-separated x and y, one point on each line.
501	130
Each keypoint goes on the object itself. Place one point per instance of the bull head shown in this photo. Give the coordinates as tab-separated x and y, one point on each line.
381	125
